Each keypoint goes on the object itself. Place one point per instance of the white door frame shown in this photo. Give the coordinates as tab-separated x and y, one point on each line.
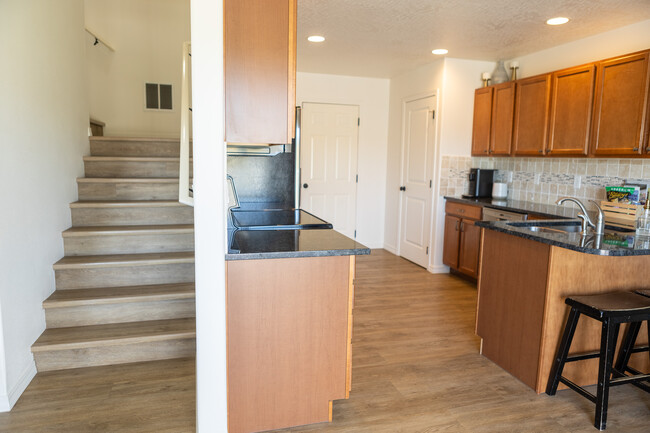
435	166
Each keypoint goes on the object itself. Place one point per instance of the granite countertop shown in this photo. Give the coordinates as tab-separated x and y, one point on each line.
276	244
546	210
613	243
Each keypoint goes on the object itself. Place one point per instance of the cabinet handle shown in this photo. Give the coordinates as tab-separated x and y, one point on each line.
485	151
635	149
647	149
456	225
540	151
461	226
461	210
402	188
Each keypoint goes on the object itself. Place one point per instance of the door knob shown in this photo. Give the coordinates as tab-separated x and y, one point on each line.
305	185
402	188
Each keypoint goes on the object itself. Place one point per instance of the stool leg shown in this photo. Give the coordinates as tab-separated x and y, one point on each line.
607	345
562	352
626	348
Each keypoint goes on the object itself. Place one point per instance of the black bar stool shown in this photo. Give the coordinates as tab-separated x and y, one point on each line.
611	309
627	347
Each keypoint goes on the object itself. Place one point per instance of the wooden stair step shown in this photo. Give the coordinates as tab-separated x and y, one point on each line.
115	295
135	146
114	188
130	212
115	270
131	166
116	343
79	307
91	240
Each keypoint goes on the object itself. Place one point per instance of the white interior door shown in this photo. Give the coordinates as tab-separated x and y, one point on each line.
328	164
417	174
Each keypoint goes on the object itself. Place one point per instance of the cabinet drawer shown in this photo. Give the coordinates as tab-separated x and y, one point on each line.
463	210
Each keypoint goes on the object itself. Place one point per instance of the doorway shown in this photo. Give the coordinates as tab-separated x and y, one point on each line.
418	147
328	164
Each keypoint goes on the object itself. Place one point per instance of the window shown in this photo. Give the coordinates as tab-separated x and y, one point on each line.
158	96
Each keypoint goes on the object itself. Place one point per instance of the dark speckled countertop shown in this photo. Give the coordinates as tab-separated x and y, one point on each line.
545	210
277	244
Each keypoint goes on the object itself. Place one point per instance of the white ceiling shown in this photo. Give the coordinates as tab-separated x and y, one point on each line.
383	38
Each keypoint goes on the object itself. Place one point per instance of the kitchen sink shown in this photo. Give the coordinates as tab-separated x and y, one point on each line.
555	229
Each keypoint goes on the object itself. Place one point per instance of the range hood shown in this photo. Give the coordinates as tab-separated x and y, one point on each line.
254	149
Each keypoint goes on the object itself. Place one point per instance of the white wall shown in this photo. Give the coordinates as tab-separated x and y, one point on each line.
427	79
43	136
209	215
148	38
635	37
371	95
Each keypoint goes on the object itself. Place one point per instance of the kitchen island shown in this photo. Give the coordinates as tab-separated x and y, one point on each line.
290	295
527	271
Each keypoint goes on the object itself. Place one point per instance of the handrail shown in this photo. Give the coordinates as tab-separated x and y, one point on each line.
185	190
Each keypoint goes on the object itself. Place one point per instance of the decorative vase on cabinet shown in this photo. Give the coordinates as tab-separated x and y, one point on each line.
500	75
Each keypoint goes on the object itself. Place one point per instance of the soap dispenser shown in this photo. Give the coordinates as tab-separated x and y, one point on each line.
643	221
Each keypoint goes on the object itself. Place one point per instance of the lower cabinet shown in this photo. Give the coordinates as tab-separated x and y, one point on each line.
462	238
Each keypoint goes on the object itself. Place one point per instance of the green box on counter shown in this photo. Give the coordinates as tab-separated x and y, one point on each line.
623	194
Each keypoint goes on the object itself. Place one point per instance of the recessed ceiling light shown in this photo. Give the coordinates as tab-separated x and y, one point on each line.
315	38
557	21
440	51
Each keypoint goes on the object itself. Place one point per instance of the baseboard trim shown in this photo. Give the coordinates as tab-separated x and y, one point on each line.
439	269
391	249
8	401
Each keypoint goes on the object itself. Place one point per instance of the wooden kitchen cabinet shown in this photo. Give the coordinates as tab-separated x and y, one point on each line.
619	116
571	108
461	246
260	70
503	103
482	121
532	105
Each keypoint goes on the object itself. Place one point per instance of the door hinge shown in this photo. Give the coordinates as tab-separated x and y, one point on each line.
430	183
355	234
434	114
357	178
427	251
358	121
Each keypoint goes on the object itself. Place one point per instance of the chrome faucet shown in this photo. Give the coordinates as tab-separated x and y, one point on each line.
599	226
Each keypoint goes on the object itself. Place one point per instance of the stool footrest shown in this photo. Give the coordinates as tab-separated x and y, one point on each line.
640	349
582	356
577	388
629	379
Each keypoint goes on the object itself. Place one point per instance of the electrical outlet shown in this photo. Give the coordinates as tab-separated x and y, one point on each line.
510	177
577	181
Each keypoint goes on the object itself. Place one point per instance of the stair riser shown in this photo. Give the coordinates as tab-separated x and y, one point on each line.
124	276
119	313
128	244
118	354
82	217
131	169
135	148
128	191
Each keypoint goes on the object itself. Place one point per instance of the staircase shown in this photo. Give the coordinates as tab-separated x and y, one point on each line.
125	288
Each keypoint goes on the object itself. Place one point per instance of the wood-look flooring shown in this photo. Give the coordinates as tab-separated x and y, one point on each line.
416	369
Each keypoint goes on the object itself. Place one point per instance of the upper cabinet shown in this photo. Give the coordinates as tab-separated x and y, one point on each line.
482	121
503	104
260	70
572	101
532	101
621	102
599	109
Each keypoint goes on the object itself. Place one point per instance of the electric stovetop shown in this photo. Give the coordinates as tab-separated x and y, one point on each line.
276	219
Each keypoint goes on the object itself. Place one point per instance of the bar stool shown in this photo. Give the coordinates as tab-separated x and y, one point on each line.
627	347
611	309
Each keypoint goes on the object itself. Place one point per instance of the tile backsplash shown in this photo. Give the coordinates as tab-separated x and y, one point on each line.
543	180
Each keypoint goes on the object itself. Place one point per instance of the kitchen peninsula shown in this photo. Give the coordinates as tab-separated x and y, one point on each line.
528	268
290	295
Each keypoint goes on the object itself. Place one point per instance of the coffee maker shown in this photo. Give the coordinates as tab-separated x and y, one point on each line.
480	183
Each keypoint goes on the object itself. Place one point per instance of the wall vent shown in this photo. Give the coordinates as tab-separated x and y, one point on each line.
157	96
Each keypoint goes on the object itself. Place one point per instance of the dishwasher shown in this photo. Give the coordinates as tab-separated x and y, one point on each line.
491	214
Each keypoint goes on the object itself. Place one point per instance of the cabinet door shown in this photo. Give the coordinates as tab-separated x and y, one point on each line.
259	64
503	104
532	104
571	106
470	241
621	103
452	241
482	121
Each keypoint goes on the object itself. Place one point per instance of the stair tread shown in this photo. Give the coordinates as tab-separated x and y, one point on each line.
79	337
108	138
127	179
132	158
114	260
125	203
114	295
129	230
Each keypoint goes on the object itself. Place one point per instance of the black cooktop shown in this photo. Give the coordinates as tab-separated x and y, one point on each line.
276	219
